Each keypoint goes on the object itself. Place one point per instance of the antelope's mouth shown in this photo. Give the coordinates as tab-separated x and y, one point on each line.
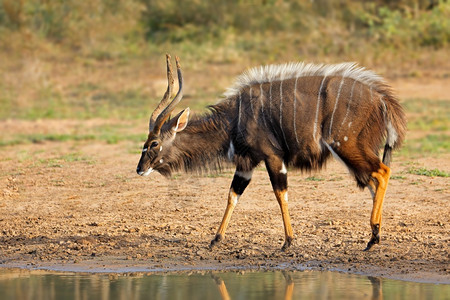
146	173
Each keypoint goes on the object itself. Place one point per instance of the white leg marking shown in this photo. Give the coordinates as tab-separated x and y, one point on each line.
281	114
245	175
336	104
230	153
316	120
234	198
295	111
286	197
283	169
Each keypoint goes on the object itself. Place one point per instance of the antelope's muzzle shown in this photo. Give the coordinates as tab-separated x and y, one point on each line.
143	173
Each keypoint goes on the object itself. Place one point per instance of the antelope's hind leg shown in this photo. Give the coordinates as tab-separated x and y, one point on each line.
240	181
382	178
278	178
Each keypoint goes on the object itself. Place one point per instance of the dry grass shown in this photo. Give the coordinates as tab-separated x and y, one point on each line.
103	59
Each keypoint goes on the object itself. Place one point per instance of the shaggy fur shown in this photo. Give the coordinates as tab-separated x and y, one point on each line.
299	112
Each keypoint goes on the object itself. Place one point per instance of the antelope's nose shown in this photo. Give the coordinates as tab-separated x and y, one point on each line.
139	171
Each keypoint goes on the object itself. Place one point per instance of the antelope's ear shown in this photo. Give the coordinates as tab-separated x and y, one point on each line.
180	121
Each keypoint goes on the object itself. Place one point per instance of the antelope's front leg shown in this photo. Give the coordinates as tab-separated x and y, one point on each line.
278	177
240	181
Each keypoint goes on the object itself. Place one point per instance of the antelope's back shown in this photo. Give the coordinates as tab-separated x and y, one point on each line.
298	106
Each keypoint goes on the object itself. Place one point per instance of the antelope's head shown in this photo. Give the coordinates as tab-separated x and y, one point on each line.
157	153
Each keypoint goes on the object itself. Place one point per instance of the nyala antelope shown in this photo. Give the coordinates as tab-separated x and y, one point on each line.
291	115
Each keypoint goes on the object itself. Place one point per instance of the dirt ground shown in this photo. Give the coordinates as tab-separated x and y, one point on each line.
80	206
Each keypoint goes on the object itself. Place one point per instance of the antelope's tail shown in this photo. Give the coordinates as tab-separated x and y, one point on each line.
395	120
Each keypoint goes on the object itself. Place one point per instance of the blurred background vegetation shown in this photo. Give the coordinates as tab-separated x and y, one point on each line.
226	30
71	59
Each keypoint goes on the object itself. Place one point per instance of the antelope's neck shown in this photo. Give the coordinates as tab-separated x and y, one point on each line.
205	138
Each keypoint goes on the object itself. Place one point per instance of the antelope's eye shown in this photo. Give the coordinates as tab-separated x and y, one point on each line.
154	144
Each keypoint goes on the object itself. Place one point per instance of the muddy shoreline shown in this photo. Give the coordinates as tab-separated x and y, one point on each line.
116	266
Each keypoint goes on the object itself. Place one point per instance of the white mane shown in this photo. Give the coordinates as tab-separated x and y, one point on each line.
271	73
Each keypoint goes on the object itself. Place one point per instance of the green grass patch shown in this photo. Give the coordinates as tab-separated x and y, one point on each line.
429	173
60	161
51	104
398	177
314	178
433	144
427	114
40	138
106	134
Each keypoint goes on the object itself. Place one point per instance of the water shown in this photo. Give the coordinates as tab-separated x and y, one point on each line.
25	284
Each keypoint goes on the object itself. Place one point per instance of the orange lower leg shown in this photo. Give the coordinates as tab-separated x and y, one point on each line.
232	201
382	176
282	201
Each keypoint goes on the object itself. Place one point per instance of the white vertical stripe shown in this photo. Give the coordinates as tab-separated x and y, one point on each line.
251	102
281	114
239	113
336	104
370	90
262	103
260	97
295	111
360	93
281	105
317	108
348	104
270	101
335	155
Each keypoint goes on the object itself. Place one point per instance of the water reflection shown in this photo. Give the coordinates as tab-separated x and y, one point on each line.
24	284
322	289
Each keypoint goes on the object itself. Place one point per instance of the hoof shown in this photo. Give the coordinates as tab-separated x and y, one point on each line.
287	244
216	240
375	239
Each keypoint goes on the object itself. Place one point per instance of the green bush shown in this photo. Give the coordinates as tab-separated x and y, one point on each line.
403	24
320	26
408	27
